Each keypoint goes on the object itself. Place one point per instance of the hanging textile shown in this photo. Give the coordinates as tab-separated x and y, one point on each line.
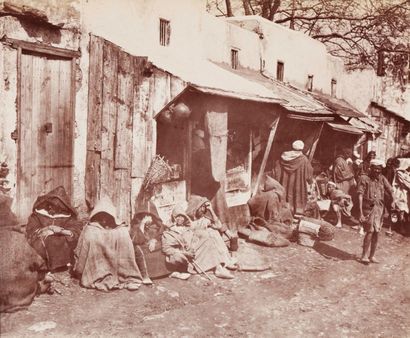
217	127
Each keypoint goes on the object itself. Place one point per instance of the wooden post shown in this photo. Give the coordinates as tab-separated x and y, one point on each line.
266	154
314	145
250	159
188	158
19	133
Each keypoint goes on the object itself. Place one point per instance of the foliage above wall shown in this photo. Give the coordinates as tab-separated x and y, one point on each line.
356	30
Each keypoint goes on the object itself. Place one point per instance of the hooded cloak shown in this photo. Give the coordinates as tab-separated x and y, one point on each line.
55	248
105	257
293	171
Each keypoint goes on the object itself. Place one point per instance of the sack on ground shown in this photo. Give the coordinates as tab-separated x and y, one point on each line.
268	238
250	259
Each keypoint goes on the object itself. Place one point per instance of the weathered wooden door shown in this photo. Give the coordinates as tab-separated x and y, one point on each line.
46	127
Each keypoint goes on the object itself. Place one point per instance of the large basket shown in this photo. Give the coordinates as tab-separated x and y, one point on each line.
158	172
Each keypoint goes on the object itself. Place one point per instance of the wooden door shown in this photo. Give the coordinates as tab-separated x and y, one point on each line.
46	127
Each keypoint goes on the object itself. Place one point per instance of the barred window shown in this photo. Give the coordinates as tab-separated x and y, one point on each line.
234	58
164	32
333	88
310	83
280	70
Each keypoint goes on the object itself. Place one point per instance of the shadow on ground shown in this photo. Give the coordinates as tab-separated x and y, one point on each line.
329	251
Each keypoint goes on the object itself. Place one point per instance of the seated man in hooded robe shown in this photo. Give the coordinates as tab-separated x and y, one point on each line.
53	229
146	233
104	257
269	204
22	270
190	247
203	215
294	171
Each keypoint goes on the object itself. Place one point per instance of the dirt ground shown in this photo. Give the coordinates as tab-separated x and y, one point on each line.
311	292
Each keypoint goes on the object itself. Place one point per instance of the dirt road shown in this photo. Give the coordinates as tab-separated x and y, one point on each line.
320	292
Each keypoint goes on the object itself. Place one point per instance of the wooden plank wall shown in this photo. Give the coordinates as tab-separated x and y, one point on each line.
388	144
45	99
95	99
121	140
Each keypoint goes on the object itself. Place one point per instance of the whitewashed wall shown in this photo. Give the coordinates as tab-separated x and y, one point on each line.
134	24
301	54
219	37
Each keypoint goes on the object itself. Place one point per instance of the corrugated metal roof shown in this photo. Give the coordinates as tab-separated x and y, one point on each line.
339	106
364	123
220	79
390	110
296	100
345	128
208	77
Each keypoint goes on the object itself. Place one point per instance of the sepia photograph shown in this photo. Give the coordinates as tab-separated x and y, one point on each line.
205	168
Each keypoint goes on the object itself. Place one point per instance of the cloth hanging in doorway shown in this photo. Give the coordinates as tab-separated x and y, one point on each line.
217	127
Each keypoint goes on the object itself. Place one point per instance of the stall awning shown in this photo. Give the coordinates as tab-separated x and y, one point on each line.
364	123
296	100
208	77
345	128
391	111
338	106
354	117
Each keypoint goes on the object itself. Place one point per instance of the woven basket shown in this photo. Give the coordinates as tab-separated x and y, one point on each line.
158	172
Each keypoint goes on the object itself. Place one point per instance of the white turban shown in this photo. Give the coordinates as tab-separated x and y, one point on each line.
298	145
376	162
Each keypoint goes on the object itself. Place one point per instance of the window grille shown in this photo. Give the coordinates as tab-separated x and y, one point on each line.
280	70
333	88
310	83
164	32
234	58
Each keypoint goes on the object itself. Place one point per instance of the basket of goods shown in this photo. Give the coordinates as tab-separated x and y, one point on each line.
158	172
326	231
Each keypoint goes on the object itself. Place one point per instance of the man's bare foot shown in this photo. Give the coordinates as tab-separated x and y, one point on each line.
221	272
147	281
364	260
374	260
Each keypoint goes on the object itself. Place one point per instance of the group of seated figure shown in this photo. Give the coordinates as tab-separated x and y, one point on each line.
106	254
